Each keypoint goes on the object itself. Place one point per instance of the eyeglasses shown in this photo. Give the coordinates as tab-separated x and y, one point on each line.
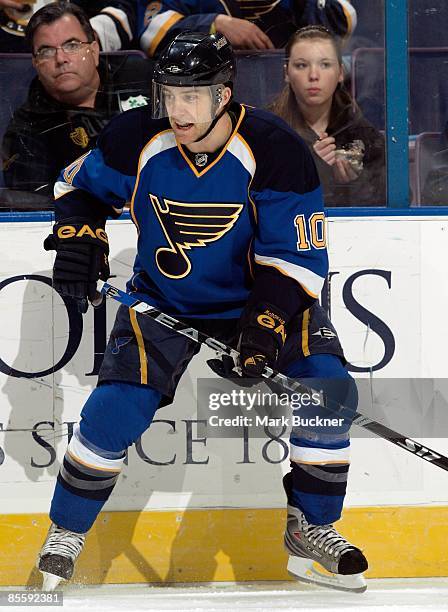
70	47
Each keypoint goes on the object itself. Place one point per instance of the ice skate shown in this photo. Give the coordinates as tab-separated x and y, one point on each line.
311	546
57	557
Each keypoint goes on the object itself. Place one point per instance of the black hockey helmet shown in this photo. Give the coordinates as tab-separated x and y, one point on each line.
196	58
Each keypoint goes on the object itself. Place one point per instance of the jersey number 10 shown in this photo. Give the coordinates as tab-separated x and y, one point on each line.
312	233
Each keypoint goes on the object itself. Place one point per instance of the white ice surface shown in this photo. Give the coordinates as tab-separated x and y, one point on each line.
429	594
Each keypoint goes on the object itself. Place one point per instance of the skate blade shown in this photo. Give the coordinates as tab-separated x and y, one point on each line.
50	581
307	570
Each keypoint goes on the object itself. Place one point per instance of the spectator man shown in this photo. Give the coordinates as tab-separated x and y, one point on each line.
73	97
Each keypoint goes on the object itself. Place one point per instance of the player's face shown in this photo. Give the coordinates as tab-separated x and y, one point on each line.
190	111
313	72
64	73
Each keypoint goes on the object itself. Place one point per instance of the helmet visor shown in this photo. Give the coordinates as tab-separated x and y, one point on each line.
186	104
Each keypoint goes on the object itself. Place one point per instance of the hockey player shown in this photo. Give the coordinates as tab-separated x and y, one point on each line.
231	237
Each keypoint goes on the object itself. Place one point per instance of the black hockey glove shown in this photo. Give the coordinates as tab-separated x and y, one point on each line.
263	335
82	248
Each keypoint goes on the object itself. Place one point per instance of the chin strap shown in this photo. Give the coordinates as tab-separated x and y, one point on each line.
214	122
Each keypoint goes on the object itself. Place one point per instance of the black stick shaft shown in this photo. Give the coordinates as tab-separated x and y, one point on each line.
359	419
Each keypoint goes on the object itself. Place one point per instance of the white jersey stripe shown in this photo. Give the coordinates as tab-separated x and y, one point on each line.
162	142
119	16
106	30
350	15
240	149
310	281
61	188
156	30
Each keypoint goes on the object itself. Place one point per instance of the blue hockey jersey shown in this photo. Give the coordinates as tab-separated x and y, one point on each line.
160	21
205	231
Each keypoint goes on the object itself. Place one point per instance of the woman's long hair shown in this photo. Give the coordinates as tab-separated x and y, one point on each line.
285	105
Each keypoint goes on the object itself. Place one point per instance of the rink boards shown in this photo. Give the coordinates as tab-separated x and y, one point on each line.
387	296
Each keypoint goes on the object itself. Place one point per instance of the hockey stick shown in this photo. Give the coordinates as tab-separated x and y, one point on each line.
290	384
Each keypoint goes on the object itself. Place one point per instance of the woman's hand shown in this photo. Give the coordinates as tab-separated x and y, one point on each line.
343	171
325	147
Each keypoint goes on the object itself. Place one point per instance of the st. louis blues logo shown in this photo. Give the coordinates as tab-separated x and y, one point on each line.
120	342
186	226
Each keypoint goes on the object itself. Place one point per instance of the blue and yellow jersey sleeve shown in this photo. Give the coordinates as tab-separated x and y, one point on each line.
159	21
114	22
100	182
339	16
290	232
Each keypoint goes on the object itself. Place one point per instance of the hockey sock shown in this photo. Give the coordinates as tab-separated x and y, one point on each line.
114	416
320	454
317	490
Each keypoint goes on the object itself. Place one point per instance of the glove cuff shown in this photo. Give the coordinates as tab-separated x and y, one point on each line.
265	319
79	230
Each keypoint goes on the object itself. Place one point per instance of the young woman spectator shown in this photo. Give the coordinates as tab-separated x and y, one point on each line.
349	152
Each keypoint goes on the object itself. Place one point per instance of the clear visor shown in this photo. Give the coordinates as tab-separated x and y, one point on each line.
195	104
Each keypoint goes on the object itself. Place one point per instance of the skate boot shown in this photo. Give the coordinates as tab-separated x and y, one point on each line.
57	557
308	544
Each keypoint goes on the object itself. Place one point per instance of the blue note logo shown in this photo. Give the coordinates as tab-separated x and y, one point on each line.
188	226
120	342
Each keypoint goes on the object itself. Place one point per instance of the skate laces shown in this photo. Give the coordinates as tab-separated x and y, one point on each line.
63	542
326	538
